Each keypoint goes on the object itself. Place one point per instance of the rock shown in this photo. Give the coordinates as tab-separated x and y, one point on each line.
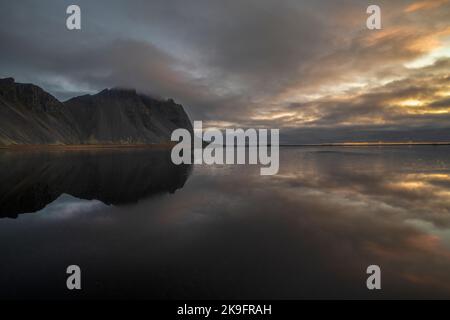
29	115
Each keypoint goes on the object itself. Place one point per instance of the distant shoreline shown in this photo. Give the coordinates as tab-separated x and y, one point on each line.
368	144
357	144
170	145
86	146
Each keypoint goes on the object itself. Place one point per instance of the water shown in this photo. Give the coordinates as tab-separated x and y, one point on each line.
140	227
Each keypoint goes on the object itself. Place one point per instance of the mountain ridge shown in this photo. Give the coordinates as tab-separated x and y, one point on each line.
31	116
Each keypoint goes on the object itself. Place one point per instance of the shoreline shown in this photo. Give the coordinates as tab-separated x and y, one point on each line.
76	147
81	147
368	144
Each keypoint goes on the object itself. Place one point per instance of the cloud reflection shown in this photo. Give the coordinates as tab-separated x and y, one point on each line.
308	232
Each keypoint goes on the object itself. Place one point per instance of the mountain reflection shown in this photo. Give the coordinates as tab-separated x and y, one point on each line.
32	180
310	231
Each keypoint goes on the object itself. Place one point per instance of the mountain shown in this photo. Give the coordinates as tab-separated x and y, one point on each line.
29	115
123	116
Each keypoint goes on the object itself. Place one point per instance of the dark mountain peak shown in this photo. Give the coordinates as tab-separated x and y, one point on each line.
123	90
7	85
122	94
29	115
7	81
28	95
122	115
118	93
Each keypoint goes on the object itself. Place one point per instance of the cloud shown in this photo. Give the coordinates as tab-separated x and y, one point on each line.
253	63
425	5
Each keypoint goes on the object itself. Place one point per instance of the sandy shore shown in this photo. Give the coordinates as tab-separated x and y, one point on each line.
86	147
369	144
170	145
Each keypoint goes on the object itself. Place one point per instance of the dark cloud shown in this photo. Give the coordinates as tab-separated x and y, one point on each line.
441	103
234	62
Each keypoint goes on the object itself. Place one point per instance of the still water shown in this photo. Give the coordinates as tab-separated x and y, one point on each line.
140	227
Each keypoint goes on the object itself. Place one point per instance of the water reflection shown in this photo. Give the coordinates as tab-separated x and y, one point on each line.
308	232
32	180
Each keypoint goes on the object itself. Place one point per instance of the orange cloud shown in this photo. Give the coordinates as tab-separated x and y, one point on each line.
425	5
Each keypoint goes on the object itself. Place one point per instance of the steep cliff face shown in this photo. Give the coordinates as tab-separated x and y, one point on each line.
123	116
29	115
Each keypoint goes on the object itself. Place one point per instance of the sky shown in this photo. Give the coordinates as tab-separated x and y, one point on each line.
310	68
